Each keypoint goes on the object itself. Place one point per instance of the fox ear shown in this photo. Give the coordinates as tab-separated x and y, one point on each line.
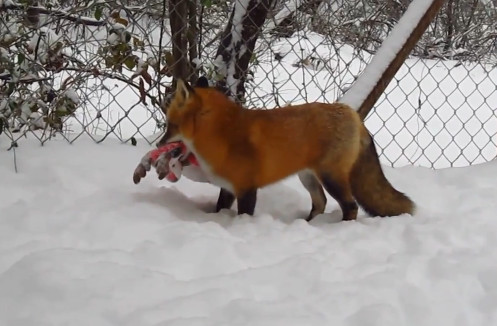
183	90
202	82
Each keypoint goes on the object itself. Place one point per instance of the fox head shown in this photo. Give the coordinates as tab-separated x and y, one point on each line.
181	111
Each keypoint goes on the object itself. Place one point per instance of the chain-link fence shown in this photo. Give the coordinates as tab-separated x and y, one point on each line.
102	68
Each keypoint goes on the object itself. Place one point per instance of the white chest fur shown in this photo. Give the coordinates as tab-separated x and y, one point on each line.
204	165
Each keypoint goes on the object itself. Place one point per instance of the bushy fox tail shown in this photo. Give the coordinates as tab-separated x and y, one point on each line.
372	190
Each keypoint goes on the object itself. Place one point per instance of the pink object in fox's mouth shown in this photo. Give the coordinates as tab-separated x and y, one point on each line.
180	150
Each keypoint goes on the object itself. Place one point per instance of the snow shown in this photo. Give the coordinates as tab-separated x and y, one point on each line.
80	244
42	41
113	38
117	26
240	11
3	104
36	120
6	3
385	54
288	8
4	54
72	95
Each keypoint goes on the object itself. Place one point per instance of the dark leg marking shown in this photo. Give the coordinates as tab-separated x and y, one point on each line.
343	195
246	202
225	200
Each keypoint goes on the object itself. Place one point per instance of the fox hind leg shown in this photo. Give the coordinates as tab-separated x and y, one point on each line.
315	189
338	186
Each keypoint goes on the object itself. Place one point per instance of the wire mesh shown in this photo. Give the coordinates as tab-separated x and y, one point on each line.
79	67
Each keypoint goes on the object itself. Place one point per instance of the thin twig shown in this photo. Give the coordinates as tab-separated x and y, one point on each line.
15	159
13	146
200	30
57	13
111	76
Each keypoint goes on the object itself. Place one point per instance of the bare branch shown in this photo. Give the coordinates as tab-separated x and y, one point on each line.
36	10
95	72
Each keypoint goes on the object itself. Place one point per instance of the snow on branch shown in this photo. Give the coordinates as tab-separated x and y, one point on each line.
88	21
288	9
390	56
237	44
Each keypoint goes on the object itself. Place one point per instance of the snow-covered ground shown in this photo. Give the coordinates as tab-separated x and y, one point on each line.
80	244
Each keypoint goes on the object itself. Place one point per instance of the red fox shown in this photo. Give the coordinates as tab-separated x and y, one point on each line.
242	150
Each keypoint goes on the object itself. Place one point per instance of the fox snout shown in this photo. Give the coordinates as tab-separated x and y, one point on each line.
171	135
163	141
160	143
165	138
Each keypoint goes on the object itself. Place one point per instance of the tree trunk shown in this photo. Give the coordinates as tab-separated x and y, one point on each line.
237	45
178	17
192	34
451	25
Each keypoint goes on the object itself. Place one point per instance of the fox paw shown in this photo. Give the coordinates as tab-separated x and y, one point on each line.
166	160
142	168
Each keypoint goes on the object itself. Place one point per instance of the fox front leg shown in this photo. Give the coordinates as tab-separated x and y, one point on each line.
225	200
246	202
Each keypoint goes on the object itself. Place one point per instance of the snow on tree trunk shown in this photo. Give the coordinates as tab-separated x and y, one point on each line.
285	22
192	39
391	55
288	10
237	45
178	13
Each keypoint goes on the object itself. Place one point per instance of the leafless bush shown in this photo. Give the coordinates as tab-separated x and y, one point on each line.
56	58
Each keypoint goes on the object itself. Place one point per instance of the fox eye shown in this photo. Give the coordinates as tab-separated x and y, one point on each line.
176	152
